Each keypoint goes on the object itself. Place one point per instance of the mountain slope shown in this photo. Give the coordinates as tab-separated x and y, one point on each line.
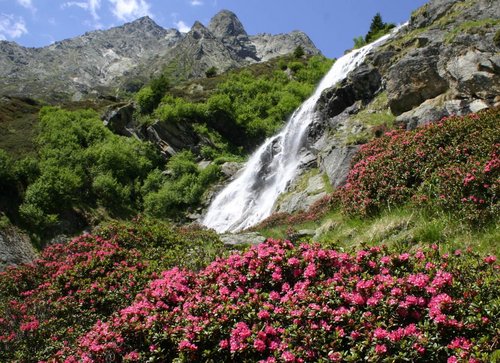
123	58
444	62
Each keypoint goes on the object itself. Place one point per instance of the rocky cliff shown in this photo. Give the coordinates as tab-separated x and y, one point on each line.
445	61
104	62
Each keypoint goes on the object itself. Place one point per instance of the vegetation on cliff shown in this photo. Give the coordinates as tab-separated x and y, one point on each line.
80	172
422	299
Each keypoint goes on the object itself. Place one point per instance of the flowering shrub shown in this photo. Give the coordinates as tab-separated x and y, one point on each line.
283	303
453	164
45	306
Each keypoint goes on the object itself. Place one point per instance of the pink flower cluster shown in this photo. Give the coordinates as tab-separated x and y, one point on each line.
321	305
453	164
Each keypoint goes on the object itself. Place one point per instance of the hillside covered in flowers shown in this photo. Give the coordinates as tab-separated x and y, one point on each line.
147	291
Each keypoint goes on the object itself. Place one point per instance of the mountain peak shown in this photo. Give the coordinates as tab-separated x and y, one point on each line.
143	23
226	24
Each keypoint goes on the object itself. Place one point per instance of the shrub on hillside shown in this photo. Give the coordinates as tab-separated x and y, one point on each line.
182	188
452	165
80	162
284	303
46	305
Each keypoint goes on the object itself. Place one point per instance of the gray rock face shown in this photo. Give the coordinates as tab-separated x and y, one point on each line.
302	198
361	84
336	163
443	63
119	119
475	73
447	49
15	248
124	57
415	79
269	46
228	28
235	239
91	63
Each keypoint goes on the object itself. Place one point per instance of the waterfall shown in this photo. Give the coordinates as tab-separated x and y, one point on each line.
249	198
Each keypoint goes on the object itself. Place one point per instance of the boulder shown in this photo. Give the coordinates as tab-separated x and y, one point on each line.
301	198
336	163
361	84
15	248
235	239
414	79
475	73
435	109
230	168
119	119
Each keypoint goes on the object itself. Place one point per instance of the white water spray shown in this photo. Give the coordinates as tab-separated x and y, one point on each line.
249	198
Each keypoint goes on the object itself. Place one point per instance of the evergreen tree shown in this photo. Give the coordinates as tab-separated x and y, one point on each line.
377	28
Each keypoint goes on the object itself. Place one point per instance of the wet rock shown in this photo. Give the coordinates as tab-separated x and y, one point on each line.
229	169
361	84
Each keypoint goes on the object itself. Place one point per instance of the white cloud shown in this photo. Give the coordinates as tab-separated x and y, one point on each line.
196	2
11	26
27	4
182	26
129	9
92	6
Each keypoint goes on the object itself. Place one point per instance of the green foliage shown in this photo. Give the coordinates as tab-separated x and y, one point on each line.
211	72
81	163
173	109
473	27
377	29
359	42
110	193
150	96
299	52
246	107
7	176
145	100
182	188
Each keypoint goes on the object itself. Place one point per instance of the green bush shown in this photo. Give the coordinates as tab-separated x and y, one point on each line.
299	52
150	96
81	164
211	72
145	100
110	193
6	169
183	187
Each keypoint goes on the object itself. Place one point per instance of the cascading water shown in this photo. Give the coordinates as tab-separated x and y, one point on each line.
249	198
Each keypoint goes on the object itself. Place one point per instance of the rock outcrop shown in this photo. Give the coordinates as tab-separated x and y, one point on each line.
104	62
444	62
15	248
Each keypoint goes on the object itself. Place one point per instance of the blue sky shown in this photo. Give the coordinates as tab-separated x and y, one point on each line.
331	24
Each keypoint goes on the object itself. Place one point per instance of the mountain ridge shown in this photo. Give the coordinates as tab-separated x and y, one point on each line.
122	58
